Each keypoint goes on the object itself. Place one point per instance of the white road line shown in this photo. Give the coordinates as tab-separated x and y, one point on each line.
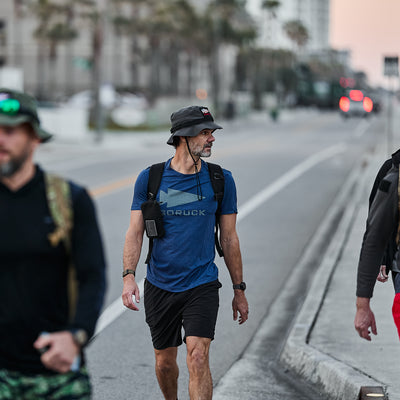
116	308
287	178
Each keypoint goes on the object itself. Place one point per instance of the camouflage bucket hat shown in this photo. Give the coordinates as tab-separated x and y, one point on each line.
17	108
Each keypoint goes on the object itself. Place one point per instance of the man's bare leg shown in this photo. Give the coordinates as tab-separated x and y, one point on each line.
167	372
200	381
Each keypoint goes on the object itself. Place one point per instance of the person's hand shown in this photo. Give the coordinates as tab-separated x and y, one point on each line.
129	291
240	305
61	350
365	319
382	276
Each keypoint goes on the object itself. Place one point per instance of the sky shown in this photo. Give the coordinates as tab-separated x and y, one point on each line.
370	29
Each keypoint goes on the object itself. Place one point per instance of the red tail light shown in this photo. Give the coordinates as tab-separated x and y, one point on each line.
368	104
344	104
356	95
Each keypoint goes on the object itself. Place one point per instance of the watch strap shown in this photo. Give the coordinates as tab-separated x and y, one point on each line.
127	272
240	286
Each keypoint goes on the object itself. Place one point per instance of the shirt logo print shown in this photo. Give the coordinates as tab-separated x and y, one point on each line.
174	198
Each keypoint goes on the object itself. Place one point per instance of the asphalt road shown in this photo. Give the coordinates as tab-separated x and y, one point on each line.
287	175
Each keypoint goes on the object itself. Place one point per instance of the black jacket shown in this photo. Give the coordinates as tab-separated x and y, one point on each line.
33	274
379	242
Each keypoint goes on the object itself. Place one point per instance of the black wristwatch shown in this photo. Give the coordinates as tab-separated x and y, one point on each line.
240	286
127	272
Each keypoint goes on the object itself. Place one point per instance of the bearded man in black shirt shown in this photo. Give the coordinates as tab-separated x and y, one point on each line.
42	331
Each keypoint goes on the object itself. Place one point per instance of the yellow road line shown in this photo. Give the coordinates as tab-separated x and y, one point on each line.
130	181
113	186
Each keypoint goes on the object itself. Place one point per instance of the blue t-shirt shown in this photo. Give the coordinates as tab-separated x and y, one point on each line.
184	257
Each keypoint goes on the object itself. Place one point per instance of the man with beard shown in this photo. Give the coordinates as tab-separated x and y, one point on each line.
181	287
42	330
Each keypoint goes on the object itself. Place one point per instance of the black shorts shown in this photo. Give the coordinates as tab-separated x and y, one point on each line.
167	312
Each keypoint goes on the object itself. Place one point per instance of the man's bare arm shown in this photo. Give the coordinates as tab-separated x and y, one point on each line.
233	260
132	250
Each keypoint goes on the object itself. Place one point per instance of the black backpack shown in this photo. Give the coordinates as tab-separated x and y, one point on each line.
217	181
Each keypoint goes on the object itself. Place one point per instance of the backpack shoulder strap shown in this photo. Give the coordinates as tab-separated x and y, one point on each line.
58	194
59	200
218	184
155	176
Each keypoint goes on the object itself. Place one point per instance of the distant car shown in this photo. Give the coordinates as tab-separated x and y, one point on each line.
109	98
355	104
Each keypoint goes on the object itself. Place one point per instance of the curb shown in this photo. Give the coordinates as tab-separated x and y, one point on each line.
245	378
338	380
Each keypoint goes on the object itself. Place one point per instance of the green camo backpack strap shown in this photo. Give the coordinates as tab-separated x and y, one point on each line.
58	193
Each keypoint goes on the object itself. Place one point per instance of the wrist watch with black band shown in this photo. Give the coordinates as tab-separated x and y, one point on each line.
240	286
127	272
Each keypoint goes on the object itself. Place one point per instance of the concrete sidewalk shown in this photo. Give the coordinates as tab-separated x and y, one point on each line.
323	346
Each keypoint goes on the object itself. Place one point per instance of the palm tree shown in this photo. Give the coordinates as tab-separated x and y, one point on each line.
229	24
53	29
185	25
271	6
18	15
297	33
60	32
131	24
94	17
169	28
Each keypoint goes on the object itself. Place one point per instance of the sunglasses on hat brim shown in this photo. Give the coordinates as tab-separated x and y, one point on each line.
13	107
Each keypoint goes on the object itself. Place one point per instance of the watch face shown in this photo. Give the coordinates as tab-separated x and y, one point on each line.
80	337
241	286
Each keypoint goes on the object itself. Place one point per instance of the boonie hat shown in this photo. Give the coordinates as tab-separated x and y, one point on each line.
190	121
17	108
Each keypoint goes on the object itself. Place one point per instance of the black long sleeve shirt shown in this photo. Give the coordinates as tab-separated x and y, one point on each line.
33	274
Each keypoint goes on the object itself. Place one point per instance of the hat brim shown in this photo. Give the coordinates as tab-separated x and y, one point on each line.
8	120
193	130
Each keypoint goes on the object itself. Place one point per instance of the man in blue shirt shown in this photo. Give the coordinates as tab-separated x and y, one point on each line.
181	287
